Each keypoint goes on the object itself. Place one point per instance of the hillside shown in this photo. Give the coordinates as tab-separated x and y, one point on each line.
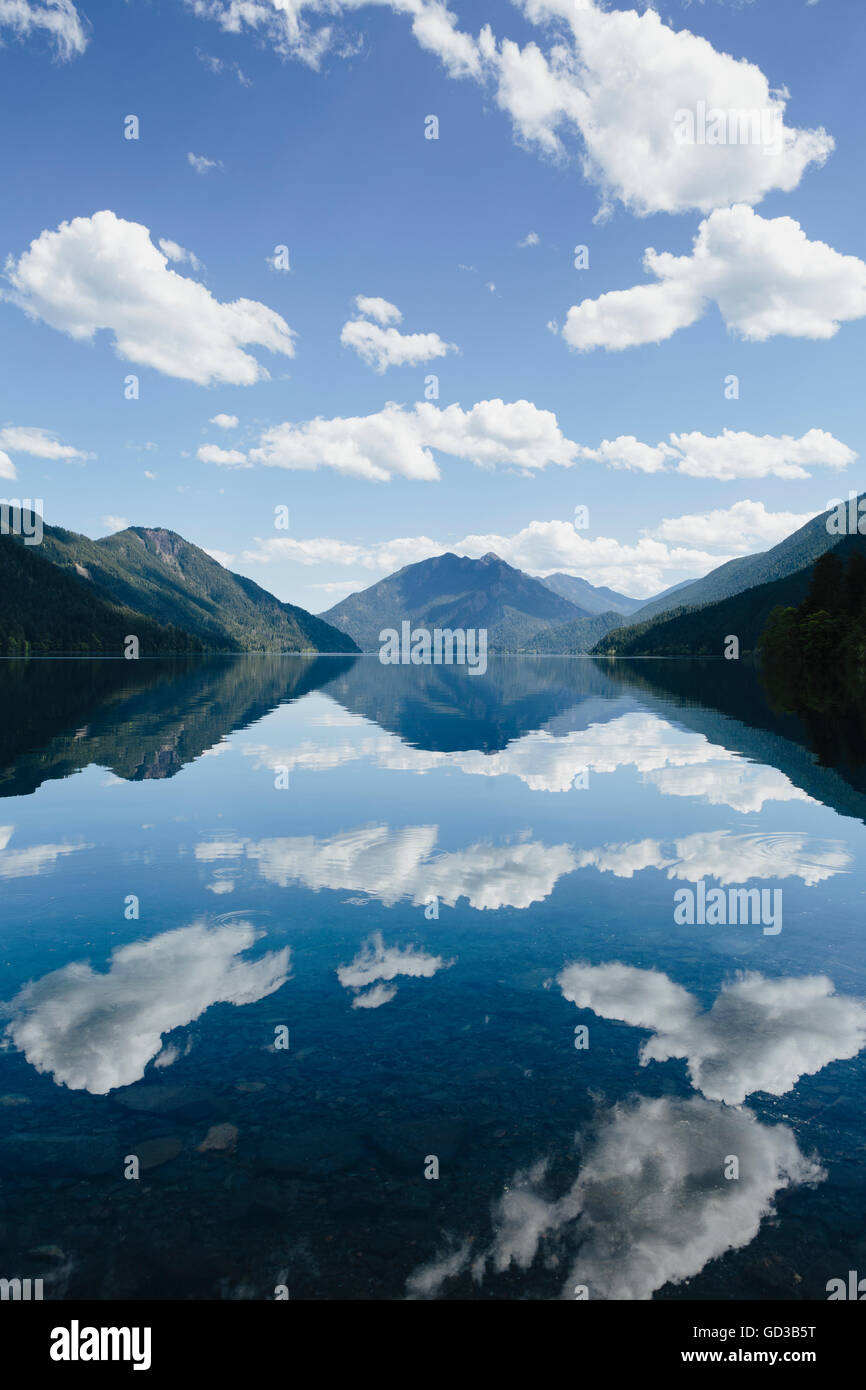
451	591
171	581
794	553
702	631
574	638
47	610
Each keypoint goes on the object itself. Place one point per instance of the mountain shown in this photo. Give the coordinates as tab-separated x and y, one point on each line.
167	580
453	591
594	598
46	610
794	553
701	631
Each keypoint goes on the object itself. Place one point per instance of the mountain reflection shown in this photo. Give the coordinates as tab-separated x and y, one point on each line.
693	729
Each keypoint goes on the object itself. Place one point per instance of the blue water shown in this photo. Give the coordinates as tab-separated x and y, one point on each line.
310	939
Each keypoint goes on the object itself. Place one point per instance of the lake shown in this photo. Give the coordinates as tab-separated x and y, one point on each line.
334	980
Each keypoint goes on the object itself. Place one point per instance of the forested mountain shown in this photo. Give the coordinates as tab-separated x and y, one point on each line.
702	631
794	553
184	600
453	591
45	609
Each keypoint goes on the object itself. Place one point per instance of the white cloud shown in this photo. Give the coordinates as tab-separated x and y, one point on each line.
531	239
115	523
759	1035
41	444
95	1031
102	272
376	962
766	277
379	309
224	458
649	1206
7	467
224	422
202	164
382	348
397	440
620	84
743	527
58	18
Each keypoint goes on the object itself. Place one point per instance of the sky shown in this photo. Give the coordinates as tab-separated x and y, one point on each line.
301	281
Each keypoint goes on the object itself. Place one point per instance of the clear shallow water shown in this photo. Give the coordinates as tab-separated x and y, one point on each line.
461	871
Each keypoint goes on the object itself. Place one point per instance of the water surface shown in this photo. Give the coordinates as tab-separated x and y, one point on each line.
424	882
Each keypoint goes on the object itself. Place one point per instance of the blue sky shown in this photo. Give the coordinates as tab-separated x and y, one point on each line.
123	256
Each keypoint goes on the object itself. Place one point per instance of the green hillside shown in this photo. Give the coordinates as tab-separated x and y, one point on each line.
794	553
46	610
702	631
164	577
574	638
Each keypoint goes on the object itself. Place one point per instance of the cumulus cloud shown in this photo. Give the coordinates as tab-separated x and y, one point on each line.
382	348
57	18
765	276
531	239
745	526
371	974
381	310
102	272
95	1031
398	440
394	864
614	81
224	422
759	1035
726	456
650	1204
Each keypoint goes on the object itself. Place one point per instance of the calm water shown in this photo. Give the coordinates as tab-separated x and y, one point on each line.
424	882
